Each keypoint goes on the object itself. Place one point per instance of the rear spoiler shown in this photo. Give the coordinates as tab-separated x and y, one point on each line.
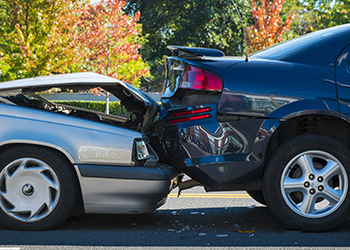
181	51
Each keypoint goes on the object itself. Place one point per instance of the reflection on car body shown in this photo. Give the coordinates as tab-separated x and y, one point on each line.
222	141
275	125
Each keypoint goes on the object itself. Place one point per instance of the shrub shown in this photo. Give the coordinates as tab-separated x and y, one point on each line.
114	107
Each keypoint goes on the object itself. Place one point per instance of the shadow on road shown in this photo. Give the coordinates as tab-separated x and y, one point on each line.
255	226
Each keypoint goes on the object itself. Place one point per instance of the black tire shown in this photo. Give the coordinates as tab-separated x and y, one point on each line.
37	188
258	196
306	183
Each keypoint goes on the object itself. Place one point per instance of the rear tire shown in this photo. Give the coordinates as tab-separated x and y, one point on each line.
306	183
37	188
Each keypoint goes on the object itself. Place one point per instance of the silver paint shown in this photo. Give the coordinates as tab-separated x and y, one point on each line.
121	196
83	141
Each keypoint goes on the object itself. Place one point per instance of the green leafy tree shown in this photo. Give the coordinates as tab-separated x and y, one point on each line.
196	23
34	37
333	13
312	15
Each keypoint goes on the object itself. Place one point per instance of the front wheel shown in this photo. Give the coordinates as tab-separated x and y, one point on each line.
306	183
37	188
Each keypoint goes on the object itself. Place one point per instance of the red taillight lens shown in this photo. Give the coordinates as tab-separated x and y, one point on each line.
201	79
191	112
191	118
192	115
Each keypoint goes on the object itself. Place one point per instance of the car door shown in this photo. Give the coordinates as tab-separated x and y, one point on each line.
342	76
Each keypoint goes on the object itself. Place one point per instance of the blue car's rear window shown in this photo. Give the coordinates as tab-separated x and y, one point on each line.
278	51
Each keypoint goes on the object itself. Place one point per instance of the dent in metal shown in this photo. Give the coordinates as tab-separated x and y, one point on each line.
224	140
214	154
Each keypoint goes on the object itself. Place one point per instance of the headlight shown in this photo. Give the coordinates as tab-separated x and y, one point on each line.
141	150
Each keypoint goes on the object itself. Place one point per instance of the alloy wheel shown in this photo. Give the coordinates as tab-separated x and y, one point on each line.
314	184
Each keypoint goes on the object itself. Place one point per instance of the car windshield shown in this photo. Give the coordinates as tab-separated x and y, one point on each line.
283	49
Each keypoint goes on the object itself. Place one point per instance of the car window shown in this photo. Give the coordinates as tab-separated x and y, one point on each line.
283	49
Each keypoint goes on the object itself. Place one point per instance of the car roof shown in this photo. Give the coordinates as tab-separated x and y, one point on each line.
313	47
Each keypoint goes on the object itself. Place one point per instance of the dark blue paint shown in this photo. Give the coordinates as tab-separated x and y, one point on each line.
307	77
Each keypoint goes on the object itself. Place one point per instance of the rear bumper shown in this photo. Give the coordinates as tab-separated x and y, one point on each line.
219	155
120	190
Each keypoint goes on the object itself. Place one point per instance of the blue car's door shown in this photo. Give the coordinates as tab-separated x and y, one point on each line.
342	76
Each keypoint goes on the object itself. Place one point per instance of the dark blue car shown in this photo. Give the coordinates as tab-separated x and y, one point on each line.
276	124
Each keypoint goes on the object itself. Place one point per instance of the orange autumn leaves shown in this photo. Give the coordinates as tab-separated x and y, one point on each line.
109	41
267	29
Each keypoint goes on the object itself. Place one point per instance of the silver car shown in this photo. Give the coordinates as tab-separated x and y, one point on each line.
56	160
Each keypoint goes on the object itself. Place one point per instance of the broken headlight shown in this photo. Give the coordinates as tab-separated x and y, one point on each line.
141	150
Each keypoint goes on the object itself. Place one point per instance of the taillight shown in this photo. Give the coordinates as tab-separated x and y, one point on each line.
191	112
201	79
192	118
190	115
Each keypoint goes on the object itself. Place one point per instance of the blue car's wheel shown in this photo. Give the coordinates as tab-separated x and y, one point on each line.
306	183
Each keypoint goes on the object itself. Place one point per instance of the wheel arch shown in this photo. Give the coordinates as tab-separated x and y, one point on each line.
7	144
308	124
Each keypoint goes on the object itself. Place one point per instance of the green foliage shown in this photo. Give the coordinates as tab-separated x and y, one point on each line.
127	71
30	44
215	24
114	107
196	23
312	15
336	15
43	37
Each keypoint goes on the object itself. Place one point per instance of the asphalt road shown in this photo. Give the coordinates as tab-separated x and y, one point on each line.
193	221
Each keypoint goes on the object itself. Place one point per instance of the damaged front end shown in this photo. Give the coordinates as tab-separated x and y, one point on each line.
117	168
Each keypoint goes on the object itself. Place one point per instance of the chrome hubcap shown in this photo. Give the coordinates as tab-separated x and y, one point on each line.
314	184
29	190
